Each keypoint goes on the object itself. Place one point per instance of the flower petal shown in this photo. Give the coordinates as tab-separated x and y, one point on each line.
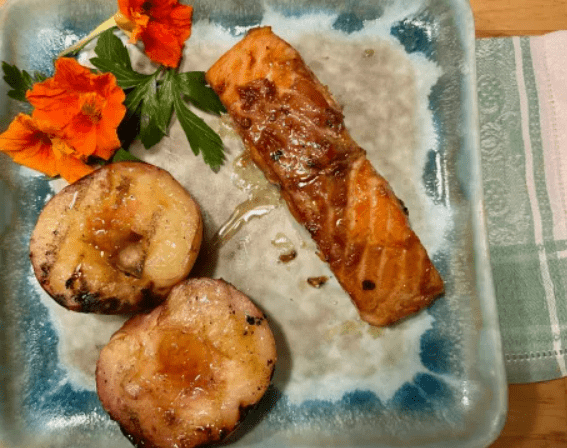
53	104
107	142
125	8
161	45
19	135
28	145
162	25
80	106
160	10
72	168
71	75
80	133
180	20
43	161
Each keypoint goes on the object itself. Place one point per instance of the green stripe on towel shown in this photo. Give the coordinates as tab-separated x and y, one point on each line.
527	269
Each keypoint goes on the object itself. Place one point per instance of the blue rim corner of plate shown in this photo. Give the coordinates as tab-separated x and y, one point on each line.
490	333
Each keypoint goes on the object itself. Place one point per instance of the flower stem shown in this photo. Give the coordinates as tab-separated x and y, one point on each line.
73	50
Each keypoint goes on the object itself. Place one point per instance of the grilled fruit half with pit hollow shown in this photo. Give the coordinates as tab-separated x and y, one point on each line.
184	374
117	240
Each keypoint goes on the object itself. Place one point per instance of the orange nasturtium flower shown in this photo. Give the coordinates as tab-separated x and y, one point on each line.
162	25
86	108
36	145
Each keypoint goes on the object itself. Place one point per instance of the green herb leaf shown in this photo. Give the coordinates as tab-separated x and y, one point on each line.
150	131
136	96
166	94
125	77
20	81
113	57
129	129
124	156
147	113
110	47
152	99
143	101
194	87
201	137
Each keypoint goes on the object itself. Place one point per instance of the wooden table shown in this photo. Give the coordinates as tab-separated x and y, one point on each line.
518	17
537	416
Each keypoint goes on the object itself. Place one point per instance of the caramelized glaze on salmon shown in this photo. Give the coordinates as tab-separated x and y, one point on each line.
295	132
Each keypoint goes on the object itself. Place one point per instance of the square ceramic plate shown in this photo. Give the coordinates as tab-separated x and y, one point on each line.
404	72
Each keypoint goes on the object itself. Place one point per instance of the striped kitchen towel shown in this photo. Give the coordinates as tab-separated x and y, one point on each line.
522	92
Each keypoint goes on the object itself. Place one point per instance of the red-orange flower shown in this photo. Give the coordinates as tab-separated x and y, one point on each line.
37	146
162	25
84	107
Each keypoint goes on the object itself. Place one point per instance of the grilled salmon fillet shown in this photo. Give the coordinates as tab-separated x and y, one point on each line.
295	132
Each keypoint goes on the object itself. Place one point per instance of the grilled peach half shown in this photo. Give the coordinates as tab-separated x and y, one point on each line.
117	240
185	374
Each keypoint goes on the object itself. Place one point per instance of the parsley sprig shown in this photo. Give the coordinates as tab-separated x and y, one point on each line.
151	100
20	81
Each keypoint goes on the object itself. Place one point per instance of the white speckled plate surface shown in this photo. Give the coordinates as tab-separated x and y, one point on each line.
404	73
